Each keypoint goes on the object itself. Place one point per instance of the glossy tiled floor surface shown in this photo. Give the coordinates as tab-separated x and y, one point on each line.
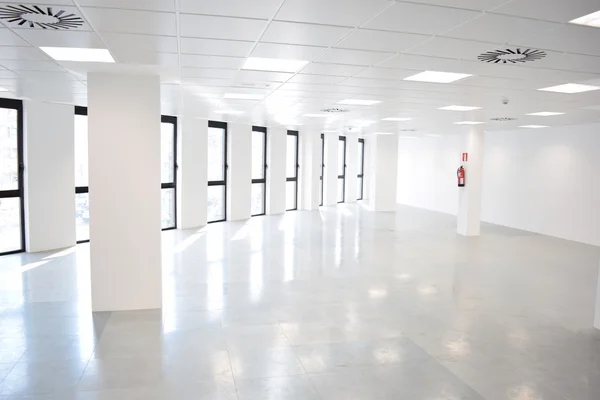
341	304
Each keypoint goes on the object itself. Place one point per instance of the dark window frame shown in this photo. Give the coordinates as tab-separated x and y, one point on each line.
265	166
168	119
221	125
322	168
20	191
343	176
294	179
361	175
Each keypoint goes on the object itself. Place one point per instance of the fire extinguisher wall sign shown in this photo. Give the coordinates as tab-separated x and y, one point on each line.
460	174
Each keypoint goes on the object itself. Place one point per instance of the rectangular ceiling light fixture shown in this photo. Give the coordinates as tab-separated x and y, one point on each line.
533	126
437	77
469	123
78	54
274	64
592	19
397	119
570	88
243	96
545	114
433	135
459	108
3	89
359	102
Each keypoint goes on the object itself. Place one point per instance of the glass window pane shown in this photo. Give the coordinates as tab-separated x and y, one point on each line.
361	152
216	153
359	189
9	155
10	224
167	208
167	152
290	195
340	190
258	198
258	155
292	152
82	216
216	203
341	156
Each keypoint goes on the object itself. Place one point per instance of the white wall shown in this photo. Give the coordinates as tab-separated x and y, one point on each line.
239	178
49	176
545	181
310	171
330	172
351	169
383	173
276	158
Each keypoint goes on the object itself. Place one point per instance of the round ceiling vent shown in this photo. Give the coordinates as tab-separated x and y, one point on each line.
503	119
512	56
36	17
334	110
408	130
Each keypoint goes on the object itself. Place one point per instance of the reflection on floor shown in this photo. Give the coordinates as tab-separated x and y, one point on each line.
341	304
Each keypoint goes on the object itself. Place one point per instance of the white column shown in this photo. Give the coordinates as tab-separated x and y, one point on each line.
276	174
49	176
239	173
351	169
192	189
125	202
469	196
310	153
330	174
383	172
597	309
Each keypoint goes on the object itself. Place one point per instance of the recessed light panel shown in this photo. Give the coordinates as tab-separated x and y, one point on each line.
459	108
534	126
592	19
243	96
545	114
469	123
433	135
359	102
78	54
3	89
570	88
437	77
397	119
274	64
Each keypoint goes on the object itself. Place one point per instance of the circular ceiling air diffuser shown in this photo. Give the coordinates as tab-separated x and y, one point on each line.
503	119
36	17
512	56
334	110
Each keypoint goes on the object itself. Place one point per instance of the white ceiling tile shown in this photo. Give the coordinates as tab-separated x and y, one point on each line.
424	63
132	21
354	57
140	43
482	5
420	18
559	11
262	76
366	39
288	51
192	60
500	28
5	74
264	9
385	73
569	38
305	87
70	38
28	65
331	69
303	34
8	38
216	47
204	26
207	82
151	5
147	58
453	48
188	72
22	53
316	79
331	12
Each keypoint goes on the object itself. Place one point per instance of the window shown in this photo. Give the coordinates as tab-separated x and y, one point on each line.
217	171
168	172
12	210
82	196
259	170
341	186
291	185
361	169
322	166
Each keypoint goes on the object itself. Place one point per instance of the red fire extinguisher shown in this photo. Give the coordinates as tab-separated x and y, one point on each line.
460	173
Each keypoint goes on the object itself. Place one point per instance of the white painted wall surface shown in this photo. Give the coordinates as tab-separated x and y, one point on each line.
383	172
239	178
192	186
330	173
276	158
351	169
125	202
468	220
310	156
49	176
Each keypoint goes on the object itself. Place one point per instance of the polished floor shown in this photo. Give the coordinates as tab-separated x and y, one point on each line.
342	304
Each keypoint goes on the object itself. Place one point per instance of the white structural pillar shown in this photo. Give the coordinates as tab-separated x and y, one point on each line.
310	155
276	173
469	197
383	172
125	203
330	173
49	176
239	173
192	184
351	169
597	309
